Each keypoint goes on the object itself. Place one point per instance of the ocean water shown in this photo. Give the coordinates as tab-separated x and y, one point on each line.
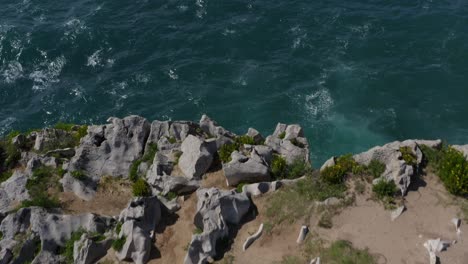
354	74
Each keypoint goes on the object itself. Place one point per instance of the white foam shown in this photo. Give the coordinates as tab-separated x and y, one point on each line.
47	72
94	60
13	72
319	102
172	74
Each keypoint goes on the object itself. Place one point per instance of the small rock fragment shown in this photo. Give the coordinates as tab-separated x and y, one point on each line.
302	234
397	212
252	238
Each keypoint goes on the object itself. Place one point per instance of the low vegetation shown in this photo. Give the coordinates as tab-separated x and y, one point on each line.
43	187
141	188
384	189
292	203
408	156
118	244
148	157
281	170
226	150
346	165
282	135
451	166
9	156
67	251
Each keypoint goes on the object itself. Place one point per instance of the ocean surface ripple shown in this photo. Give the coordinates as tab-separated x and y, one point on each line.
353	73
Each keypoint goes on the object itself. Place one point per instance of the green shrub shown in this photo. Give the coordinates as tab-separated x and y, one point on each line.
172	140
64	126
197	231
244	139
118	227
5	176
38	185
333	175
384	189
42	201
282	135
82	131
225	152
453	171
408	156
375	168
150	152
133	173
298	169
97	237
68	250
240	186
171	196
141	188
79	175
118	244
279	167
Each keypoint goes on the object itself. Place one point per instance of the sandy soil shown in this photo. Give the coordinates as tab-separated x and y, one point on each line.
110	199
368	225
215	179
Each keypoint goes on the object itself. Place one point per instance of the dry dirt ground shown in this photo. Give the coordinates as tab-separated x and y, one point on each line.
368	225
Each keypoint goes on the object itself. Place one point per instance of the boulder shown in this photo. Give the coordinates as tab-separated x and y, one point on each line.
87	251
242	169
162	131
139	219
111	149
302	234
52	229
212	129
50	139
13	191
216	210
176	184
329	163
257	137
197	156
289	142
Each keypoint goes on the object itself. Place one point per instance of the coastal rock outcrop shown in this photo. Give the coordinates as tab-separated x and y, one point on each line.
289	142
139	222
111	149
197	156
216	211
243	169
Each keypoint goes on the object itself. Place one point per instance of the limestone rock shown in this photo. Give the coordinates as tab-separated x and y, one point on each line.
87	251
293	146
249	241
257	137
211	128
111	149
50	138
139	222
197	156
302	234
397	212
13	191
329	163
162	131
215	210
397	169
242	169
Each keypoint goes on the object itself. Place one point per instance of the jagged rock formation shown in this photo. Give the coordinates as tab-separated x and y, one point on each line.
289	142
216	210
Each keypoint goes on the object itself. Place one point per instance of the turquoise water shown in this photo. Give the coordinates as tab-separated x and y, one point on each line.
353	73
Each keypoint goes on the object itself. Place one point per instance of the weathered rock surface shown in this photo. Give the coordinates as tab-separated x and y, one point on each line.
216	210
197	156
243	169
211	128
163	132
302	234
88	251
111	149
52	229
139	222
50	138
397	169
293	146
13	191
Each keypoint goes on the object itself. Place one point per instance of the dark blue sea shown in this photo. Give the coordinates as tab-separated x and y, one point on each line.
354	74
